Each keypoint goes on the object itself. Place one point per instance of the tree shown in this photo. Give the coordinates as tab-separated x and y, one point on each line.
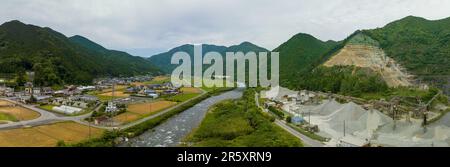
289	119
32	99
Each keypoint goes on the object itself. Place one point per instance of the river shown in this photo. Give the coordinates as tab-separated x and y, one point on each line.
171	132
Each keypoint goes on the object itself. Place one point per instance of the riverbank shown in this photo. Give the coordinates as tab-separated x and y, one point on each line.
114	137
239	123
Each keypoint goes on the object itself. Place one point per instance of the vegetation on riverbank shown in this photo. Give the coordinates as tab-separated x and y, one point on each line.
277	112
311	135
240	123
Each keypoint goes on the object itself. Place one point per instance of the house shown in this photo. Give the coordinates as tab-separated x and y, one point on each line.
111	107
47	91
28	88
167	85
36	91
131	90
149	91
6	91
60	93
86	88
170	92
154	86
58	101
85	98
297	120
153	95
43	98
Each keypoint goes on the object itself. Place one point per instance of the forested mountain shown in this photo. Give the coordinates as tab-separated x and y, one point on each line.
163	60
57	60
421	46
299	55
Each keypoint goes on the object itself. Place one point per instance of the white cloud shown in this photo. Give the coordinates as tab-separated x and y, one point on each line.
161	25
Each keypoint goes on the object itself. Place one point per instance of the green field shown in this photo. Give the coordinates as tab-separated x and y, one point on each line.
239	123
183	97
106	98
158	80
47	107
7	117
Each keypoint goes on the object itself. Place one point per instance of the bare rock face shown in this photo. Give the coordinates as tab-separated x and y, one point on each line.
362	51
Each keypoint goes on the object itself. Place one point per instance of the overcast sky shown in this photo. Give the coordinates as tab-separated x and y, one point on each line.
145	27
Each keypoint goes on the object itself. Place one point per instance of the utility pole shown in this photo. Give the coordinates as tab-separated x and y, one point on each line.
394	110
113	86
309	119
89	130
344	128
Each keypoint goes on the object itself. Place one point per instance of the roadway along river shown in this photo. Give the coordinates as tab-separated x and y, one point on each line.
171	132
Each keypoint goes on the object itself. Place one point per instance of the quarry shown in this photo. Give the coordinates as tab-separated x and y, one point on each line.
362	51
346	123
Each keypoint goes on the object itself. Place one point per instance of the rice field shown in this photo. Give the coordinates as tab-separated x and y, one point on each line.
116	88
190	90
5	103
158	80
47	135
19	113
141	110
116	94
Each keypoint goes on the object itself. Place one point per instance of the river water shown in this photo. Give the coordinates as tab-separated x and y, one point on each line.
171	132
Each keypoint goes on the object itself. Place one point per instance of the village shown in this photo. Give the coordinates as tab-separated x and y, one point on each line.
74	113
108	102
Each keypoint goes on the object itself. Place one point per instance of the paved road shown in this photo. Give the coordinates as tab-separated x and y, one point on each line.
308	142
45	117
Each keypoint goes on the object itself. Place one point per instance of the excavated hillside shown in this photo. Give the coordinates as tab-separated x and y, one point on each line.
363	51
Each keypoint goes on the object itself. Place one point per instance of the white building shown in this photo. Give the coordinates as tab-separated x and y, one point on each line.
111	107
153	95
87	88
67	109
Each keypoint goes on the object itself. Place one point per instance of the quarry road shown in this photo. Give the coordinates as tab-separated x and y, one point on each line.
308	142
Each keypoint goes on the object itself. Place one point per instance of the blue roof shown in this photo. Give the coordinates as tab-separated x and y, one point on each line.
297	119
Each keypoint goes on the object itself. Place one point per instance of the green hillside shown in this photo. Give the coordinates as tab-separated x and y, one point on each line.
422	46
299	55
163	60
57	60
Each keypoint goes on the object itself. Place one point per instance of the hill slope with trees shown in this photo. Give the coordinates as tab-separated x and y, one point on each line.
58	60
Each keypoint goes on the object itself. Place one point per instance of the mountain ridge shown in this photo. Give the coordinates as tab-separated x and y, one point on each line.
57	59
162	60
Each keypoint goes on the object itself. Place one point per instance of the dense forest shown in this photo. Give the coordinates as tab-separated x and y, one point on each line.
420	45
163	60
56	59
346	80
